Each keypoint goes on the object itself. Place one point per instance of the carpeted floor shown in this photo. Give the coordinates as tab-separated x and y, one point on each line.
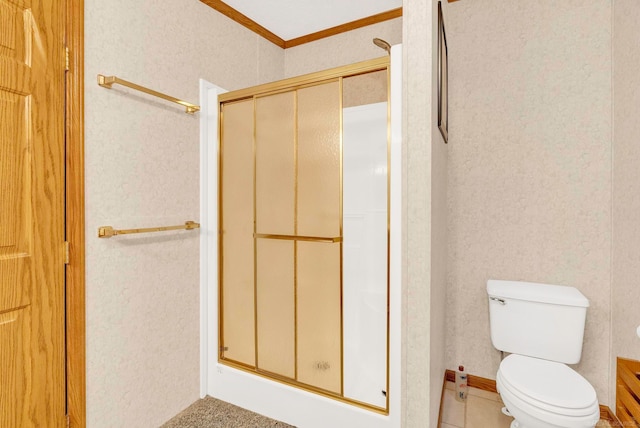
212	413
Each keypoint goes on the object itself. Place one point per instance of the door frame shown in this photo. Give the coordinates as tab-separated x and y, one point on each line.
74	215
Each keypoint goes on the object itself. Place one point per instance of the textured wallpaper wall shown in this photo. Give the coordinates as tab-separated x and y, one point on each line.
626	182
142	161
341	49
529	182
438	240
424	220
439	235
529	173
417	393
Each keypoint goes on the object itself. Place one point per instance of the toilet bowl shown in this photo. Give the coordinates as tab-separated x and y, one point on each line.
546	394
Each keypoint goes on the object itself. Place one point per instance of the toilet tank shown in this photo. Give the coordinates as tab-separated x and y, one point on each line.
537	320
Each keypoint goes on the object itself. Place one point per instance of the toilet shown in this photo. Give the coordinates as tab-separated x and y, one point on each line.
542	327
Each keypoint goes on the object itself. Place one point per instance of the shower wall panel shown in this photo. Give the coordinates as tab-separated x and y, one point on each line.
365	253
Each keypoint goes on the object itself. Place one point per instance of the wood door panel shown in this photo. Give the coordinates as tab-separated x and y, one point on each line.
9	168
15	201
16	280
7	25
15	77
14	356
14	176
14	34
32	299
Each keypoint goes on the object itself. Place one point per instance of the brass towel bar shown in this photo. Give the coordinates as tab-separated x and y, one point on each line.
108	231
299	238
109	81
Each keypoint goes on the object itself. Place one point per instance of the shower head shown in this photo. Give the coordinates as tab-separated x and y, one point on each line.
382	44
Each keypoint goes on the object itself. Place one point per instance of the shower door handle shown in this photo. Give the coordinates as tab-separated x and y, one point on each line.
329	240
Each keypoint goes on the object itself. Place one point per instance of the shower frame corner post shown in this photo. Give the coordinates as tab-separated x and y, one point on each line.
395	238
209	115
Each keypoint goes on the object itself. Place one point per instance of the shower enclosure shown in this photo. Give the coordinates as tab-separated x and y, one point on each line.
304	230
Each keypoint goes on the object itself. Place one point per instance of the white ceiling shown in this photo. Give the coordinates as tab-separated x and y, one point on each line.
289	19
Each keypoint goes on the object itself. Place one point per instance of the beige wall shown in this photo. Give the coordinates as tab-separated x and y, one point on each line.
439	243
342	49
529	183
626	182
142	161
424	221
529	174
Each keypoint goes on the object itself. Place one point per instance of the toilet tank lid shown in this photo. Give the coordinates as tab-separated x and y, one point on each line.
535	292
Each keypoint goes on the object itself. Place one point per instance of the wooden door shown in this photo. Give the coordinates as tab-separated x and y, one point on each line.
32	331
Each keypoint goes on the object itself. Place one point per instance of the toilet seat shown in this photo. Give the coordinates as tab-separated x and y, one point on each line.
551	384
530	416
548	390
506	389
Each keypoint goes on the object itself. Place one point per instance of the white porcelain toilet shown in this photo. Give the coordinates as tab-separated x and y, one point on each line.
542	327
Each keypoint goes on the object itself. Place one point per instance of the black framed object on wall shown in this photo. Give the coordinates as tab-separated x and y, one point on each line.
443	78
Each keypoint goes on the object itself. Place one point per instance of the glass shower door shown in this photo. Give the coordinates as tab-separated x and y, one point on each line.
304	231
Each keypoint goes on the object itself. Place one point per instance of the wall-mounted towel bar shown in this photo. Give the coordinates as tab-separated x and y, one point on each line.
108	231
109	81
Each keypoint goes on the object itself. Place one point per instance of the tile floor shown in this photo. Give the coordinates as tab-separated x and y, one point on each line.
481	410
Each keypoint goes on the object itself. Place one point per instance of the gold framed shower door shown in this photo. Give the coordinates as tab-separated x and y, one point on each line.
288	240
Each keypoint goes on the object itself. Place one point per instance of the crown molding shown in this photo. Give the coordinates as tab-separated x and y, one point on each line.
250	24
245	21
343	28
